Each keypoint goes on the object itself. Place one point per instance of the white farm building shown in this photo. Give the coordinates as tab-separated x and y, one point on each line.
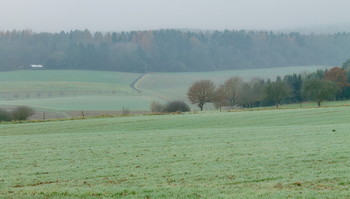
36	66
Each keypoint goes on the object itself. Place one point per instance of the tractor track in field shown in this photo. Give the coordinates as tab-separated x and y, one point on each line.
134	84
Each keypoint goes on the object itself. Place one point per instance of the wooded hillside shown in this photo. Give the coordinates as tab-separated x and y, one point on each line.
169	50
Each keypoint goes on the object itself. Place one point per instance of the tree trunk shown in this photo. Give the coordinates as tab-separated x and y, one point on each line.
201	106
319	104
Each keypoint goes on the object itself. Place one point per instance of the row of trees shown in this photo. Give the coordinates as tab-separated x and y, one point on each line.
321	85
169	50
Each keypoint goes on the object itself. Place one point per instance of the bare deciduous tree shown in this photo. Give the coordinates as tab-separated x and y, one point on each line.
245	97
231	89
157	107
220	98
257	86
201	92
251	92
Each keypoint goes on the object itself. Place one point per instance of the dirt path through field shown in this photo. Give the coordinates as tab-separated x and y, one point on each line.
135	83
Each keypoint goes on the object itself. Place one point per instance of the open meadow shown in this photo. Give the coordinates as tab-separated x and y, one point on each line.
170	86
58	93
291	153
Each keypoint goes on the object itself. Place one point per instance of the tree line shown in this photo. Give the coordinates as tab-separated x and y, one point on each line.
332	84
169	50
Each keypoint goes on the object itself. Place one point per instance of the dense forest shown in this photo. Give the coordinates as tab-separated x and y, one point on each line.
169	50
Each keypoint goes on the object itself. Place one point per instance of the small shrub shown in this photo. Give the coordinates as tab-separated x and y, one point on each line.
5	116
157	107
22	113
176	106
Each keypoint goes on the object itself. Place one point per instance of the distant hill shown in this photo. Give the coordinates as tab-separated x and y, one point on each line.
170	50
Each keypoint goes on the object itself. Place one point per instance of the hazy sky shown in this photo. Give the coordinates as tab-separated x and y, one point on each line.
124	15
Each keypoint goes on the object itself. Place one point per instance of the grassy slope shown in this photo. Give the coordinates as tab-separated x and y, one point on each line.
87	103
69	76
171	86
265	154
102	90
71	90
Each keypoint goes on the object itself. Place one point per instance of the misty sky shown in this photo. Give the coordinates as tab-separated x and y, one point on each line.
125	15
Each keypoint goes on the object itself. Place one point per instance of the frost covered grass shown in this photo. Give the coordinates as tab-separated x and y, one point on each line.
297	153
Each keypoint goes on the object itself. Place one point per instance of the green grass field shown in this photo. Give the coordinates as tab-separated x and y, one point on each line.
86	103
69	76
296	153
53	91
169	86
60	91
38	84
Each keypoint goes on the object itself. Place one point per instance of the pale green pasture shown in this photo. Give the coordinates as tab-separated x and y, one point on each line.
52	89
69	76
48	83
299	153
175	85
104	90
38	86
86	103
71	90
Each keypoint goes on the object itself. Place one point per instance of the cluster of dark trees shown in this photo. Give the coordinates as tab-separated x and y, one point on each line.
169	50
170	107
332	84
18	114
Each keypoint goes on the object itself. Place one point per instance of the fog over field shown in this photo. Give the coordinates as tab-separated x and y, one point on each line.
126	15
